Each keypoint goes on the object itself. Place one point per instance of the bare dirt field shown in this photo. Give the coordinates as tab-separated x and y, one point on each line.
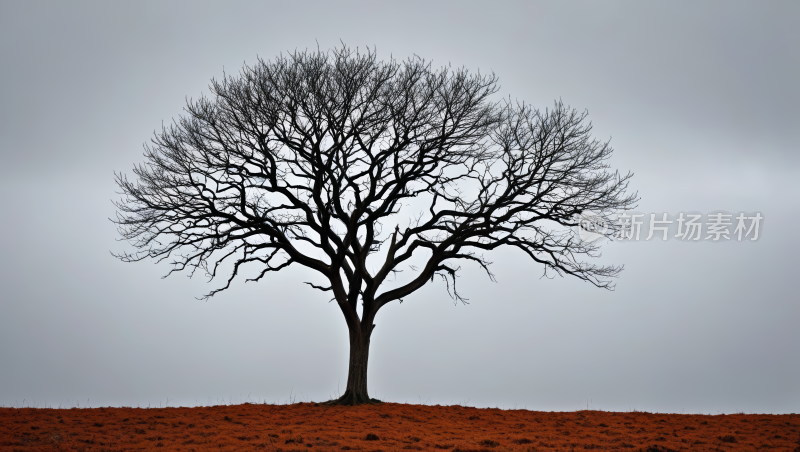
387	427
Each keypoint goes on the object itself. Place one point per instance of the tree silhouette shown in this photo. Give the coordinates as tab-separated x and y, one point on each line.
311	158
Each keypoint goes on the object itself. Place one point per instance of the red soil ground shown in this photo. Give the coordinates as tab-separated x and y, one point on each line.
387	427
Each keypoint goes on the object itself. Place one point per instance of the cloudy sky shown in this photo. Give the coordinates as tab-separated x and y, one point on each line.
699	100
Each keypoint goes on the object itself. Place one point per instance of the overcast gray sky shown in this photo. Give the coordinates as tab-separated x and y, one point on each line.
700	101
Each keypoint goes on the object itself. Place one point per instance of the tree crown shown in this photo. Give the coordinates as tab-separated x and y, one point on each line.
311	158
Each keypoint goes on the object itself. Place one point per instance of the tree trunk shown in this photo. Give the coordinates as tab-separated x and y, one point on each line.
356	390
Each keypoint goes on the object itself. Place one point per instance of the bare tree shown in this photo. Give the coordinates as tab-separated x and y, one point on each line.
309	159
